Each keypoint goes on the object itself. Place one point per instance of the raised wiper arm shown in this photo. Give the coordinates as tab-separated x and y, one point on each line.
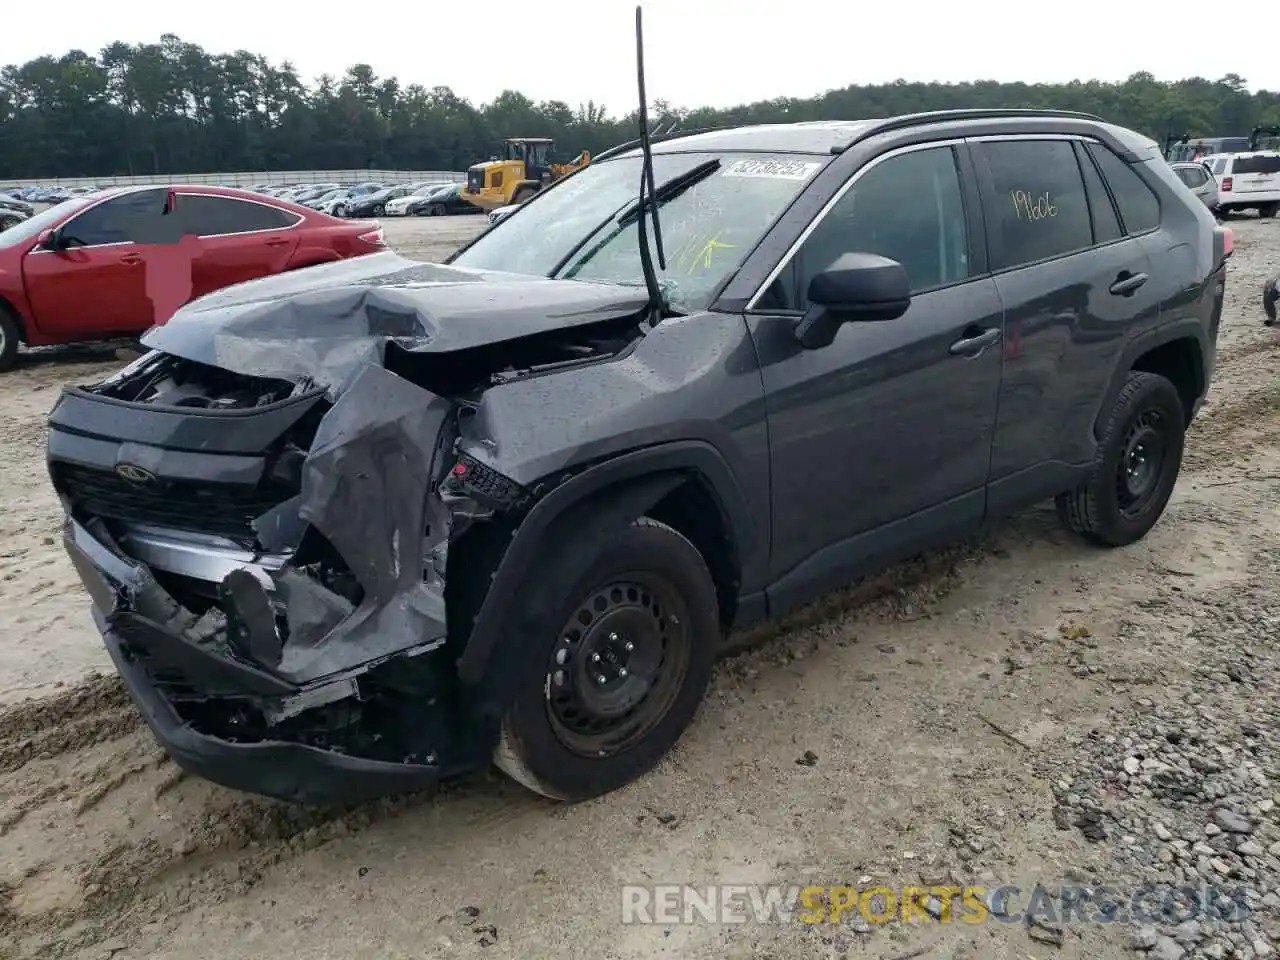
672	188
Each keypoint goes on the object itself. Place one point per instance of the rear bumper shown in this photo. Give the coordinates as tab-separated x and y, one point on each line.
128	605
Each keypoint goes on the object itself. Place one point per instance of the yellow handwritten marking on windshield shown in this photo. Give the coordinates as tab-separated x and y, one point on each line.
702	257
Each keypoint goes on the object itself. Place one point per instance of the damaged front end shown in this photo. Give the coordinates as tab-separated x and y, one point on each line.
268	556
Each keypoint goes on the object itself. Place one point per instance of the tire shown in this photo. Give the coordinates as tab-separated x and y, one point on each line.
10	337
1270	294
379	210
436	210
644	584
7	221
522	195
1268	210
1147	422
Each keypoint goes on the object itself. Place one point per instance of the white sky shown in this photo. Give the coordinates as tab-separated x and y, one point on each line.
698	52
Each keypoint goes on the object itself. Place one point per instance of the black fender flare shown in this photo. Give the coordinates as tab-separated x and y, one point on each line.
640	478
1181	329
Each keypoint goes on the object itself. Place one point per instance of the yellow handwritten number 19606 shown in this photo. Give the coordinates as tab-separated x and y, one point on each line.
1029	207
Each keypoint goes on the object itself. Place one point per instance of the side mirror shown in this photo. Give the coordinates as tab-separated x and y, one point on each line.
857	288
50	239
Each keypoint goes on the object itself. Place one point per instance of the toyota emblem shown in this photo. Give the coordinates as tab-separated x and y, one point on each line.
135	474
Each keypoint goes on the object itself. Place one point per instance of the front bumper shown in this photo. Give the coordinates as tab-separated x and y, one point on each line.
141	648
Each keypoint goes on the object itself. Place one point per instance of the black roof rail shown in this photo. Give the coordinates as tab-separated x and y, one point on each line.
941	116
660	138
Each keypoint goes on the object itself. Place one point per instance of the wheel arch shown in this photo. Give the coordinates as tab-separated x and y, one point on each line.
1176	351
8	307
668	482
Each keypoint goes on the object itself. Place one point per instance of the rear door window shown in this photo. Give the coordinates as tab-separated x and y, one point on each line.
1139	208
208	216
132	218
1037	208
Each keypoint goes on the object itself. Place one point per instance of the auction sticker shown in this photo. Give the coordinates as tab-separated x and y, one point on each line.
773	169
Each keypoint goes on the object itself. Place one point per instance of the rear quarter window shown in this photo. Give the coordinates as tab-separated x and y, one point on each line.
1139	207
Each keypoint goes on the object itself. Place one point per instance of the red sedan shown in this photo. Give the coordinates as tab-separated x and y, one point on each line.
112	264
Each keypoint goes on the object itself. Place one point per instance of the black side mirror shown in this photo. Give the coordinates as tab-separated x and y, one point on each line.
857	288
51	240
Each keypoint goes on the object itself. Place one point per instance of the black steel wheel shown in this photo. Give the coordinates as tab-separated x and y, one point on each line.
618	666
624	624
379	209
1136	467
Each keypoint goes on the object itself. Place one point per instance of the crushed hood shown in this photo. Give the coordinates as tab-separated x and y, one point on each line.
327	322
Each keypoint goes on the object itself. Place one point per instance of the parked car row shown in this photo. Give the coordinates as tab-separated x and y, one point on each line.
113	263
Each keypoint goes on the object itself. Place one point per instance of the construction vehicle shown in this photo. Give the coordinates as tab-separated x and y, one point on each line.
521	171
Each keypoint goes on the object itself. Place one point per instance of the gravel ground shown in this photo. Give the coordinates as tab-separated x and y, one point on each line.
1017	711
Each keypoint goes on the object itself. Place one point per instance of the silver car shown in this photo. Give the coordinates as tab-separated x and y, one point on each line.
1199	180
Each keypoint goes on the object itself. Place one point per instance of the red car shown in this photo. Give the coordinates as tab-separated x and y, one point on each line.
112	264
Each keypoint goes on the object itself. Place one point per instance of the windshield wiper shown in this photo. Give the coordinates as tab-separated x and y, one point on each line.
657	302
669	190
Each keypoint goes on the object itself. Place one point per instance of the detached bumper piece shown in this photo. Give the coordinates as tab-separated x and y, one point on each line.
230	722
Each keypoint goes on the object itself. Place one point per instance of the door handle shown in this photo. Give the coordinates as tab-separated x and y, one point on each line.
277	242
131	259
1128	283
974	345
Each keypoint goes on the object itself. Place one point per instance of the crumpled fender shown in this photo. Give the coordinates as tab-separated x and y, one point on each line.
365	488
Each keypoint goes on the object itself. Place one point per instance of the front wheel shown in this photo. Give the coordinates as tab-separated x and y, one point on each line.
379	210
1136	466
436	210
340	211
622	638
10	335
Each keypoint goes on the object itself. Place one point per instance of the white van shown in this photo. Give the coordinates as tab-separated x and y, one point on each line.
1247	181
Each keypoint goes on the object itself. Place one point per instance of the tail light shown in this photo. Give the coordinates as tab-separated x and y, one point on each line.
374	238
1228	241
1226	184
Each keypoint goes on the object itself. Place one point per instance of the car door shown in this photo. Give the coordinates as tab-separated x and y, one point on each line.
880	441
236	239
1074	289
97	285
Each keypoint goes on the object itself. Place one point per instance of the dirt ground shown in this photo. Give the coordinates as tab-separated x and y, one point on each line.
948	719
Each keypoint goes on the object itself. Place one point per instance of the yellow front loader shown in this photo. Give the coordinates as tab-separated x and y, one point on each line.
521	172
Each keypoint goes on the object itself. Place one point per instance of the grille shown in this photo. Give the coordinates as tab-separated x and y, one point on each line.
221	509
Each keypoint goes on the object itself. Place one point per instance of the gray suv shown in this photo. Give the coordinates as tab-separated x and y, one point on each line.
350	530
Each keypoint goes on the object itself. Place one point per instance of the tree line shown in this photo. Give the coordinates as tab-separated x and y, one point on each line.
172	107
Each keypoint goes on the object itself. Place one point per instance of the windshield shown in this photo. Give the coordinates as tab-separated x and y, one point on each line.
30	228
585	229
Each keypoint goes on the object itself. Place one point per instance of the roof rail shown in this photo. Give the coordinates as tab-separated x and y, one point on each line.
941	116
659	138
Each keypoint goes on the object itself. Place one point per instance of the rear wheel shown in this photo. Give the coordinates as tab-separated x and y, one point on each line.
436	210
10	337
523	194
1268	209
622	631
1137	464
379	209
340	211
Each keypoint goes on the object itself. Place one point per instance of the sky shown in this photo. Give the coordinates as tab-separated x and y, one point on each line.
698	52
